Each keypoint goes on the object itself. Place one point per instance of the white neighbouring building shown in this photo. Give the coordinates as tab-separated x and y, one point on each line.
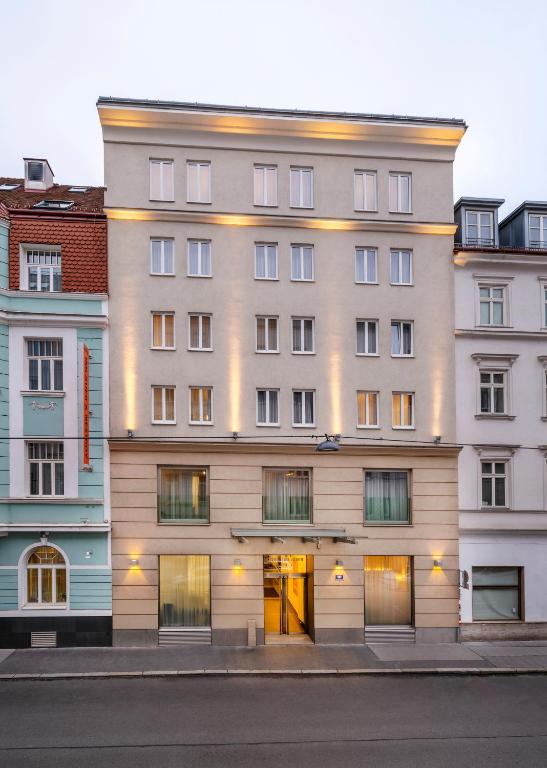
501	399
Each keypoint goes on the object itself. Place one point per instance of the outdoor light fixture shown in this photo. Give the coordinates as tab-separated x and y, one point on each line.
330	443
436	439
130	433
339	563
235	435
134	561
437	564
238	565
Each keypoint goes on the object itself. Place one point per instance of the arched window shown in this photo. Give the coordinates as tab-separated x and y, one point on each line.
46	577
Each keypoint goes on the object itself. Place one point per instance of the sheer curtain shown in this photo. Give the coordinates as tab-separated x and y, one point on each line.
182	495
388	593
386	497
286	495
185	591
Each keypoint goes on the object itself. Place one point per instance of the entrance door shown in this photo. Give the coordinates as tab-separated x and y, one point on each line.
285	595
388	590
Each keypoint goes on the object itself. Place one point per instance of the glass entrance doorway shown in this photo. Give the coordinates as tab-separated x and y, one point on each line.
285	595
388	590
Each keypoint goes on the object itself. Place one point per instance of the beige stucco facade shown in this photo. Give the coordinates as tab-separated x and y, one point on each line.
233	142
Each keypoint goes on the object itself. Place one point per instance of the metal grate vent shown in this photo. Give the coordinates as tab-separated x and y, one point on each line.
390	634
43	639
185	636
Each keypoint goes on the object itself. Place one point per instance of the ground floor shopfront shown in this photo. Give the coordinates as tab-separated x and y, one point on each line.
232	544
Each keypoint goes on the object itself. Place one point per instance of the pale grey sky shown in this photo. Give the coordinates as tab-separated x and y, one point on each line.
481	60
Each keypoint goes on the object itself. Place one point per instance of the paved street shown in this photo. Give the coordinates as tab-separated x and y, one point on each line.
387	722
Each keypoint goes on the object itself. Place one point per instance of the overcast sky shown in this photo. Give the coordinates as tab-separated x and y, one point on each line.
481	60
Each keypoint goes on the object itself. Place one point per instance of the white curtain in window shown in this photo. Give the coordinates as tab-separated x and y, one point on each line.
388	590
286	495
185	599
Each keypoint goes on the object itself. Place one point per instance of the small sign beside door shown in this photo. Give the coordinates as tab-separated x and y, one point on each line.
339	576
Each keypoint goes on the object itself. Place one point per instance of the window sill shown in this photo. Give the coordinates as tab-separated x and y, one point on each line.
162	274
44	607
403	357
199	202
402	285
496	509
493	327
366	282
184	522
196	349
276	426
301	207
265	205
303	426
161	200
267	279
295	523
302	353
266	351
43	392
368	426
404	429
366	210
495	416
302	280
367	354
201	277
163	349
385	524
404	213
201	423
159	423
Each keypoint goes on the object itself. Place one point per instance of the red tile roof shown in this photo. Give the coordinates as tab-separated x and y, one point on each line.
91	201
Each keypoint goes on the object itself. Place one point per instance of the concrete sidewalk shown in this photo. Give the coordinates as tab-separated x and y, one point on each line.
449	658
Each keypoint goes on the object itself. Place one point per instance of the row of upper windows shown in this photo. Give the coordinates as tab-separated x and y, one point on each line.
200	407
265	193
200	334
302	261
479	229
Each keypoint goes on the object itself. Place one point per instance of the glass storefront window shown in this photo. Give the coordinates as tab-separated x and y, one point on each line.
185	591
388	590
496	593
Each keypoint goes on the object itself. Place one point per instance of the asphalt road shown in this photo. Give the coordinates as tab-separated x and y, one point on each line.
321	722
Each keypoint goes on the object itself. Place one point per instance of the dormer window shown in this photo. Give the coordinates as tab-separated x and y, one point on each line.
537	231
35	171
59	205
38	174
479	227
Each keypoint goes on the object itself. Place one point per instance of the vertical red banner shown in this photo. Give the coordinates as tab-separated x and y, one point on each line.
85	403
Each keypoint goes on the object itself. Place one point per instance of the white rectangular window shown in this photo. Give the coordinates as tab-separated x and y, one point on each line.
494	484
46	468
367	409
401	338
493	395
201	405
364	190
302	262
303	408
303	335
162	256
479	226
400	192
163	405
544	294
199	258
267	339
367	337
366	265
200	336
267	407
43	269
492	305
162	180
400	267
537	233
301	183
163	330
199	182
45	365
402	410
265	185
266	261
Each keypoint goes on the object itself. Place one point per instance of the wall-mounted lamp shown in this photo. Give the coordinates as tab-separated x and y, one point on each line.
134	561
437	565
235	435
437	439
88	554
130	434
330	443
238	565
339	563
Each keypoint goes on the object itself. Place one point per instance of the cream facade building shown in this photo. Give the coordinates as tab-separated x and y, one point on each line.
277	276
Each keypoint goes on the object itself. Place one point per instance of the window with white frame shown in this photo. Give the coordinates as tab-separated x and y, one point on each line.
492	305
46	578
494	484
401	338
45	365
163	405
265	185
46	468
201	405
163	330
162	180
400	272
199	182
42	269
364	189
266	261
200	337
367	409
402	410
479	228
162	256
544	385
537	231
400	192
303	335
493	392
367	337
199	258
303	408
267	407
301	187
544	304
366	265
302	262
267	334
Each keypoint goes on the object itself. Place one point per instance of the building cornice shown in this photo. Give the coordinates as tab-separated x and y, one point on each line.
262	220
478	333
518	256
52	320
45	295
8	528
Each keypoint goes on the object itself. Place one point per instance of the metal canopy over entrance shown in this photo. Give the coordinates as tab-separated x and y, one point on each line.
279	534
